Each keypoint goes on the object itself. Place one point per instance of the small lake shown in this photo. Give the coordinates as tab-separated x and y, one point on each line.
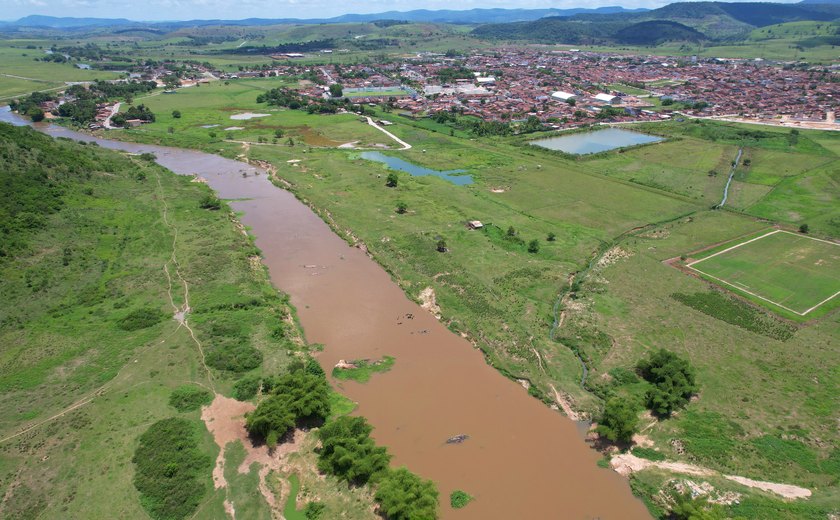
596	141
453	176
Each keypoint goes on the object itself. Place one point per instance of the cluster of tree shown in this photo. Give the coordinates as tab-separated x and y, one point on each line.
141	112
30	105
450	74
671	384
482	128
284	97
313	45
299	398
348	452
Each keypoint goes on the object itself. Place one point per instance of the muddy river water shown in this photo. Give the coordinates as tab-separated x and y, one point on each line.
521	460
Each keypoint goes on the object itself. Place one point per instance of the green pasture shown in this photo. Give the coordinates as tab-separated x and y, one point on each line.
214	104
795	272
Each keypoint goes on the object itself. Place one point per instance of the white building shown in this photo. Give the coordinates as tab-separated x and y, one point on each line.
562	96
607	98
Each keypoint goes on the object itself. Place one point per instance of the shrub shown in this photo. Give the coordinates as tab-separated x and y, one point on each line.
534	246
189	397
170	469
141	319
459	499
247	387
402	207
672	378
402	495
392	180
210	202
234	357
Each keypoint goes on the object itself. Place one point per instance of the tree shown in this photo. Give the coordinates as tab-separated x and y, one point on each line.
176	114
804	228
551	237
534	246
441	246
278	133
36	114
392	180
620	420
336	90
402	207
348	452
511	232
672	378
308	396
402	495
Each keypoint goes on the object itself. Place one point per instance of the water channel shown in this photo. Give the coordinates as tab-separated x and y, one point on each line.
522	460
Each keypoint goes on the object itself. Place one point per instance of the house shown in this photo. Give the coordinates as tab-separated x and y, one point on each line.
475	224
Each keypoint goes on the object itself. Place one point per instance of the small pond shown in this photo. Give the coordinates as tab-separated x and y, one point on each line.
596	141
395	163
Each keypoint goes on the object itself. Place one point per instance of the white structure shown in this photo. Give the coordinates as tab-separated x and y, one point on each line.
489	80
562	96
607	98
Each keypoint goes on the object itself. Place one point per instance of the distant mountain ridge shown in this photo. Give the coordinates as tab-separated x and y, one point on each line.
471	16
681	21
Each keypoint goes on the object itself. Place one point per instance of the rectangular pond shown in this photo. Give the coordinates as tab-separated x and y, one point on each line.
596	141
395	163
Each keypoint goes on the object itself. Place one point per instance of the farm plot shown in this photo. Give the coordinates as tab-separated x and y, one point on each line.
794	272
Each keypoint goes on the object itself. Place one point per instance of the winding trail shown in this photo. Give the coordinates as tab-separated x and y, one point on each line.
405	146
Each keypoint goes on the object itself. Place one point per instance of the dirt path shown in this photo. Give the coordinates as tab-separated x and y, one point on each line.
405	146
180	313
627	463
565	404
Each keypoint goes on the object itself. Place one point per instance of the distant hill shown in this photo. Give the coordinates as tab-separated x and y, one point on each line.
706	20
471	16
68	22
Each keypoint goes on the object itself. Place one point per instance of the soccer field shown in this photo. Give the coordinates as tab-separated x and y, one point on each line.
795	272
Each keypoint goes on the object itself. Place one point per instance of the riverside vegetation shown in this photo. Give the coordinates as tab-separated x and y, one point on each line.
101	387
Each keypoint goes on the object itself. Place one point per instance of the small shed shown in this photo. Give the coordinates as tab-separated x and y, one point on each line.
475	224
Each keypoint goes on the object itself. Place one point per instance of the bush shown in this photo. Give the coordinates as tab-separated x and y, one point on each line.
176	114
459	499
246	388
187	398
402	207
672	378
170	469
210	202
141	319
309	396
234	357
348	452
402	495
534	246
392	180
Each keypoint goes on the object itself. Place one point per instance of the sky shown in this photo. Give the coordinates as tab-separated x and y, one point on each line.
147	10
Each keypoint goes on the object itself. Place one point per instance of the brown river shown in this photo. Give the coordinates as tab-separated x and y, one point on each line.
521	460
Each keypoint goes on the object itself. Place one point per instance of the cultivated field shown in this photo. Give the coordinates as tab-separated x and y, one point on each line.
794	272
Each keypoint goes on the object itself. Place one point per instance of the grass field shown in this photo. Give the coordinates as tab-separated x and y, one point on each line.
794	272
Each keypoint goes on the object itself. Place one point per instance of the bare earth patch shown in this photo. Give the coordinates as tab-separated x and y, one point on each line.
627	463
428	301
